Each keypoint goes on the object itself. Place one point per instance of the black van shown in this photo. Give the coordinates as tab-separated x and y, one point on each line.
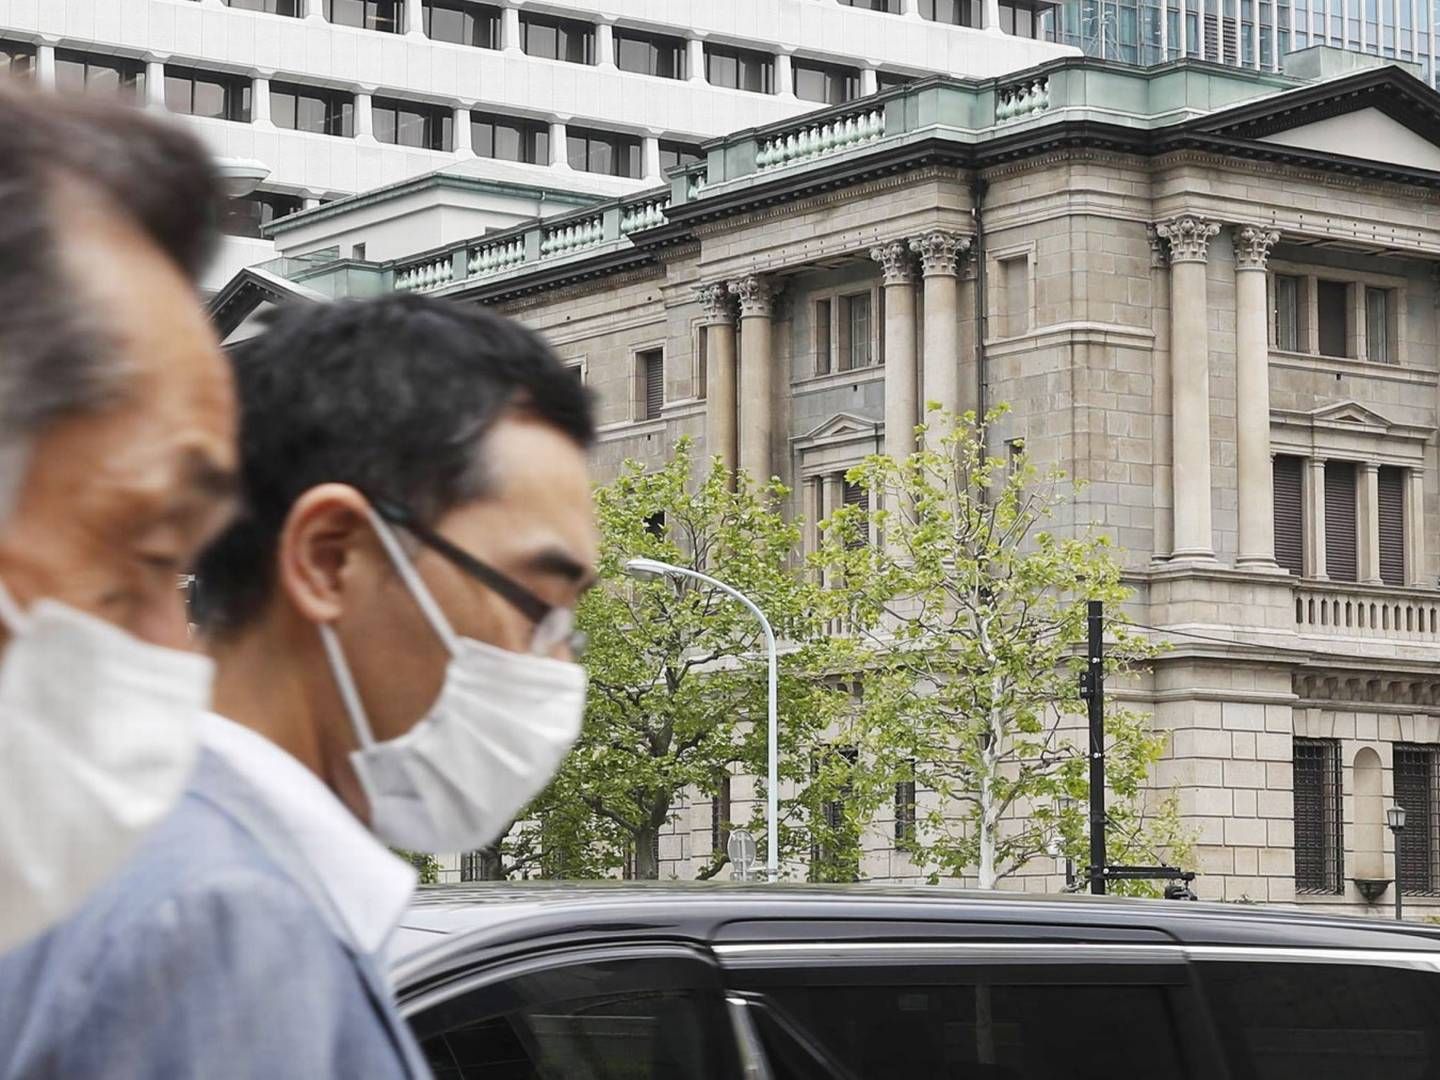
774	982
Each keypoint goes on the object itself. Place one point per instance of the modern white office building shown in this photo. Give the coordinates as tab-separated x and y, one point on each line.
523	107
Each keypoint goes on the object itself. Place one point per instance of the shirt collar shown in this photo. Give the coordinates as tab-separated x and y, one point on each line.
367	885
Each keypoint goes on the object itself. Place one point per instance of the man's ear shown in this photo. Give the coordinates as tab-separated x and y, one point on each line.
316	561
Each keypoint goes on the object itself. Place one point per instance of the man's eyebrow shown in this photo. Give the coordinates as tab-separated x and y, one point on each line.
202	473
557	561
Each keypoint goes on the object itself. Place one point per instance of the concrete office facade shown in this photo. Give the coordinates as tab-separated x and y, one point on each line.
1216	318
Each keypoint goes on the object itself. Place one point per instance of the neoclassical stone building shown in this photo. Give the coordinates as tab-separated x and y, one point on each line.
1210	294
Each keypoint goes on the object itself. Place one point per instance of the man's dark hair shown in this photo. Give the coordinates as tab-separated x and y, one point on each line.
55	355
392	396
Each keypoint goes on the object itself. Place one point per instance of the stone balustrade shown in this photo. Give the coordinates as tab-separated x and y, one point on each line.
1022	99
643	215
818	138
1392	614
572	236
426	276
496	256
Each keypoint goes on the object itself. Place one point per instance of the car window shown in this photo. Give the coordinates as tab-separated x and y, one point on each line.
639	1019
1314	1021
985	1028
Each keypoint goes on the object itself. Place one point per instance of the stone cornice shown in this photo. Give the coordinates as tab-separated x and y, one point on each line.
541	295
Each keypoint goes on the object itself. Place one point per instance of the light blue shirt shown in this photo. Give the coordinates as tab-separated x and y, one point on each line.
245	939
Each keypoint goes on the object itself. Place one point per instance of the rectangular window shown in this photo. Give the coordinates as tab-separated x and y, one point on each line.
890	7
1340	560
557	39
605	152
855	343
1333	300
702	358
855	495
477	25
77	72
651	363
825	83
1015	281
387	16
407	123
825	861
905	807
650	54
1019	20
1319	839
247	215
889	80
740	69
1378	345
17	59
673	155
269	7
1415	776
1289	313
822	337
720	816
1392	524
509	138
308	108
1289	513
954	12
204	93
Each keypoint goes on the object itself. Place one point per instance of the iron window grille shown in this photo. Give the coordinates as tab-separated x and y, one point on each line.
1319	830
1415	790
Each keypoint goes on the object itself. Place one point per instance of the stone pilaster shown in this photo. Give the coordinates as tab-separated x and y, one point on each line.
720	388
1161	434
1367	522
756	418
1188	239
902	409
1415	527
1256	490
940	252
1313	493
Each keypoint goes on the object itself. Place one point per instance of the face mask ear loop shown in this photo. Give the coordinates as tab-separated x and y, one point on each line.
406	569
14	619
346	685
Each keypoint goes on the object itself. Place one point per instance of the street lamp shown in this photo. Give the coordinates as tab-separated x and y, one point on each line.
652	569
1395	817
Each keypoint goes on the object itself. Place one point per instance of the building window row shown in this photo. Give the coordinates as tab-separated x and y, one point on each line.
249	214
848	331
1336	317
1359	510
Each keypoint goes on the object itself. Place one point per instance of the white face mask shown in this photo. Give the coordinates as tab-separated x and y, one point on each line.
489	744
97	740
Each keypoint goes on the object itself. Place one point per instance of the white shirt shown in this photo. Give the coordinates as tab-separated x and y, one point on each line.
368	886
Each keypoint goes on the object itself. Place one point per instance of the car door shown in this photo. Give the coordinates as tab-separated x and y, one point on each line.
630	1012
990	1010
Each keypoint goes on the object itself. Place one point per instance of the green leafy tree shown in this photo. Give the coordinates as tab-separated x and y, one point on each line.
968	622
678	670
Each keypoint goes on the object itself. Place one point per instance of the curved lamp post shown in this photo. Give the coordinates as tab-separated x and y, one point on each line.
1395	818
652	569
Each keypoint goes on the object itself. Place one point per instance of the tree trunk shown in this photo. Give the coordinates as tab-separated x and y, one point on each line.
987	838
647	867
488	864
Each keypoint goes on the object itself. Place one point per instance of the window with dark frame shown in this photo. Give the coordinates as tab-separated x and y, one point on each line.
890	7
659	55
1319	830
1391	492
822	337
606	152
1378	346
673	155
386	16
720	814
905	807
1289	313
313	109
17	59
740	69
1415	778
1341	563
889	80
549	38
509	138
476	25
855	342
953	12
1333	302
856	495
191	92
828	84
77	72
652	373
248	214
413	124
292	8
832	813
1288	475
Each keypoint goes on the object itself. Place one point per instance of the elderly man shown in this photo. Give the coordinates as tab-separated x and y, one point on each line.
116	466
391	621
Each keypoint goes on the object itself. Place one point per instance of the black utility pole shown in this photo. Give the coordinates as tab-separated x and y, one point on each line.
1095	697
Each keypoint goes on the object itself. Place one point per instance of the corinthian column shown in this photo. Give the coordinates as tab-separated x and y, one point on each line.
756	416
719	373
1189	240
1254	482
940	254
901	371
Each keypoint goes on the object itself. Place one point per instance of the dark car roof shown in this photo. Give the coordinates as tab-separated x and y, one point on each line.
497	917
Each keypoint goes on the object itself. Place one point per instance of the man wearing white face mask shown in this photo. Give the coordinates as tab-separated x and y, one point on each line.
391	621
117	458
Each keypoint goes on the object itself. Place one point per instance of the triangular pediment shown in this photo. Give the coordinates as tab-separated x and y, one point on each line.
1367	133
234	308
1351	413
840	428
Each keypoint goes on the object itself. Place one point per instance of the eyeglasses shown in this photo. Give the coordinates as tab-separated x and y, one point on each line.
554	626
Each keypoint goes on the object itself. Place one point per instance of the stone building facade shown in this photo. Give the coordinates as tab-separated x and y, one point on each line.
1209	294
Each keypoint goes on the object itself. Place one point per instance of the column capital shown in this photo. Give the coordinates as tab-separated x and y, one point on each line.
715	299
1188	236
756	295
940	251
1159	256
1368	467
895	260
1252	246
